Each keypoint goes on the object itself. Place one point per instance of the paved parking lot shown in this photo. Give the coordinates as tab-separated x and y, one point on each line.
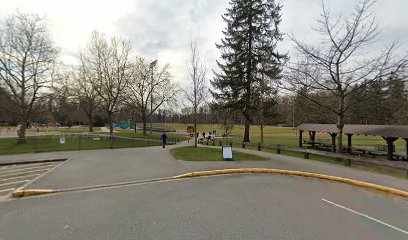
14	176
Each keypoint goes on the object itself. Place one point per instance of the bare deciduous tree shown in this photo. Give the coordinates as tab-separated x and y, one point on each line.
27	60
342	63
81	88
196	90
150	87
106	64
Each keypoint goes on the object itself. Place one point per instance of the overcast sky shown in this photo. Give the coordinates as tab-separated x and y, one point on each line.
162	29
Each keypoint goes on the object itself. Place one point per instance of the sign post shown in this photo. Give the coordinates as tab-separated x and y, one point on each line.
227	152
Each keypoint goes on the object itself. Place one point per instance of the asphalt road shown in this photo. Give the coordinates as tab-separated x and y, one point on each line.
219	207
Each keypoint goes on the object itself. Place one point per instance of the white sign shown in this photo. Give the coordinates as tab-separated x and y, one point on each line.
227	152
62	140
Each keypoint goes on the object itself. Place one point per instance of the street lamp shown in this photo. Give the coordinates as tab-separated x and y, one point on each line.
152	65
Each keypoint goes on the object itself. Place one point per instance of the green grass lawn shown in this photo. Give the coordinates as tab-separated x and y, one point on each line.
72	142
210	154
237	130
154	135
375	169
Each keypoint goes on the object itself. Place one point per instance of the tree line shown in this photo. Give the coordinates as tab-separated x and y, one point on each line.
110	77
338	79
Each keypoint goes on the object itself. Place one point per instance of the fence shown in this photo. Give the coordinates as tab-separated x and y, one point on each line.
389	166
66	142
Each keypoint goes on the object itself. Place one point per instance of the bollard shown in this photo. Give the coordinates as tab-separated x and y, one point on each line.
347	162
306	155
243	144
278	150
259	146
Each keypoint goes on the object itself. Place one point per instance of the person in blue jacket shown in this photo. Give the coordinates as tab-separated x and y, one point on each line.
164	138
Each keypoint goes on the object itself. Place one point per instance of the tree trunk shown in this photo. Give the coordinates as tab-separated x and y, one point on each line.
144	119
110	124
340	126
90	121
195	134
262	133
22	131
246	133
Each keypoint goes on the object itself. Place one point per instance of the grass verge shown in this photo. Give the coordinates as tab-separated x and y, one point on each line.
370	168
72	142
210	154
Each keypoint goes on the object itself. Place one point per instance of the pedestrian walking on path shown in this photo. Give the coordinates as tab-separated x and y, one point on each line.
164	138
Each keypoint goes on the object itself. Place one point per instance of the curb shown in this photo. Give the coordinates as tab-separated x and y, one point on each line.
384	189
31	192
33	161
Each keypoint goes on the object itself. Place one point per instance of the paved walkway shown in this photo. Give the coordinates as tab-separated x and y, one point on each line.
108	166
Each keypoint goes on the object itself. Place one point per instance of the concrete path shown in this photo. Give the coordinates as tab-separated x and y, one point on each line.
99	167
36	157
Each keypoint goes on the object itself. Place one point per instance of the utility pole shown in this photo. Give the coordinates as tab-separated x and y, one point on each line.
152	65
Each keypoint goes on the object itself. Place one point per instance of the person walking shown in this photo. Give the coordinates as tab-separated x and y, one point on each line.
164	138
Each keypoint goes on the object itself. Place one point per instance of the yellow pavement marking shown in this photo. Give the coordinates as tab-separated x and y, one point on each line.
385	189
19	173
31	192
10	183
7	190
25	176
23	169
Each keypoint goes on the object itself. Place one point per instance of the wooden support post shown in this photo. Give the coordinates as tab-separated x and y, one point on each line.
333	138
278	150
390	146
406	149
300	138
349	142
312	138
306	155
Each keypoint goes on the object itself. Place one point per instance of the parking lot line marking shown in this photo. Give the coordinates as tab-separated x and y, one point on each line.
19	173
14	178
11	183
7	190
366	216
23	169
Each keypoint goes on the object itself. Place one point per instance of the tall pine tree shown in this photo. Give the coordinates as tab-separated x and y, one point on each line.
249	55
